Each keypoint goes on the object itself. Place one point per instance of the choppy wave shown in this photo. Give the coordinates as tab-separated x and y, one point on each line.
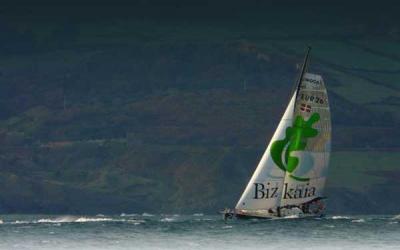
83	219
20	222
147	215
73	219
339	217
358	221
128	215
64	219
191	232
168	219
148	218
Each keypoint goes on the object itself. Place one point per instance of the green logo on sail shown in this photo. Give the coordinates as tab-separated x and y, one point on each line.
295	140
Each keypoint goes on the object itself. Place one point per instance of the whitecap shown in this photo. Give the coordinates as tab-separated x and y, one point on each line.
227	227
62	219
1	222
198	214
358	221
56	220
147	215
73	219
168	219
84	219
128	215
339	217
21	222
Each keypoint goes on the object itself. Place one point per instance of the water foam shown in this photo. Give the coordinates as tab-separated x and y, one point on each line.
339	217
63	219
358	221
72	219
84	219
128	215
17	222
147	215
167	219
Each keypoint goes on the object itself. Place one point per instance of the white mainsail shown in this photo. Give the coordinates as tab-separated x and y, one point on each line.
310	148
293	169
265	186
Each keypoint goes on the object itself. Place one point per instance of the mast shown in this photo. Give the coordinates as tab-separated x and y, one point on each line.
303	70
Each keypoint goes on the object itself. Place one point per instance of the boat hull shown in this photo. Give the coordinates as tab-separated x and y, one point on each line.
291	214
248	217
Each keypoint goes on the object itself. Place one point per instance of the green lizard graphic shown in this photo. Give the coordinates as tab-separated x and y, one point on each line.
295	140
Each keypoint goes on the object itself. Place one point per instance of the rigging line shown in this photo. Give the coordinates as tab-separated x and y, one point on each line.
303	69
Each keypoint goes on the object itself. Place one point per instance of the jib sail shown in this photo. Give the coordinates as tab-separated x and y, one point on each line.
264	189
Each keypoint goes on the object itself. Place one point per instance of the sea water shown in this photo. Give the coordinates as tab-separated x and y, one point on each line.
197	231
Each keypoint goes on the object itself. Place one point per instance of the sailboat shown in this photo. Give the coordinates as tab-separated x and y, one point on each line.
290	178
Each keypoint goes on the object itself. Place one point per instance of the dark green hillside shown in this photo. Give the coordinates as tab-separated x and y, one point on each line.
143	112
